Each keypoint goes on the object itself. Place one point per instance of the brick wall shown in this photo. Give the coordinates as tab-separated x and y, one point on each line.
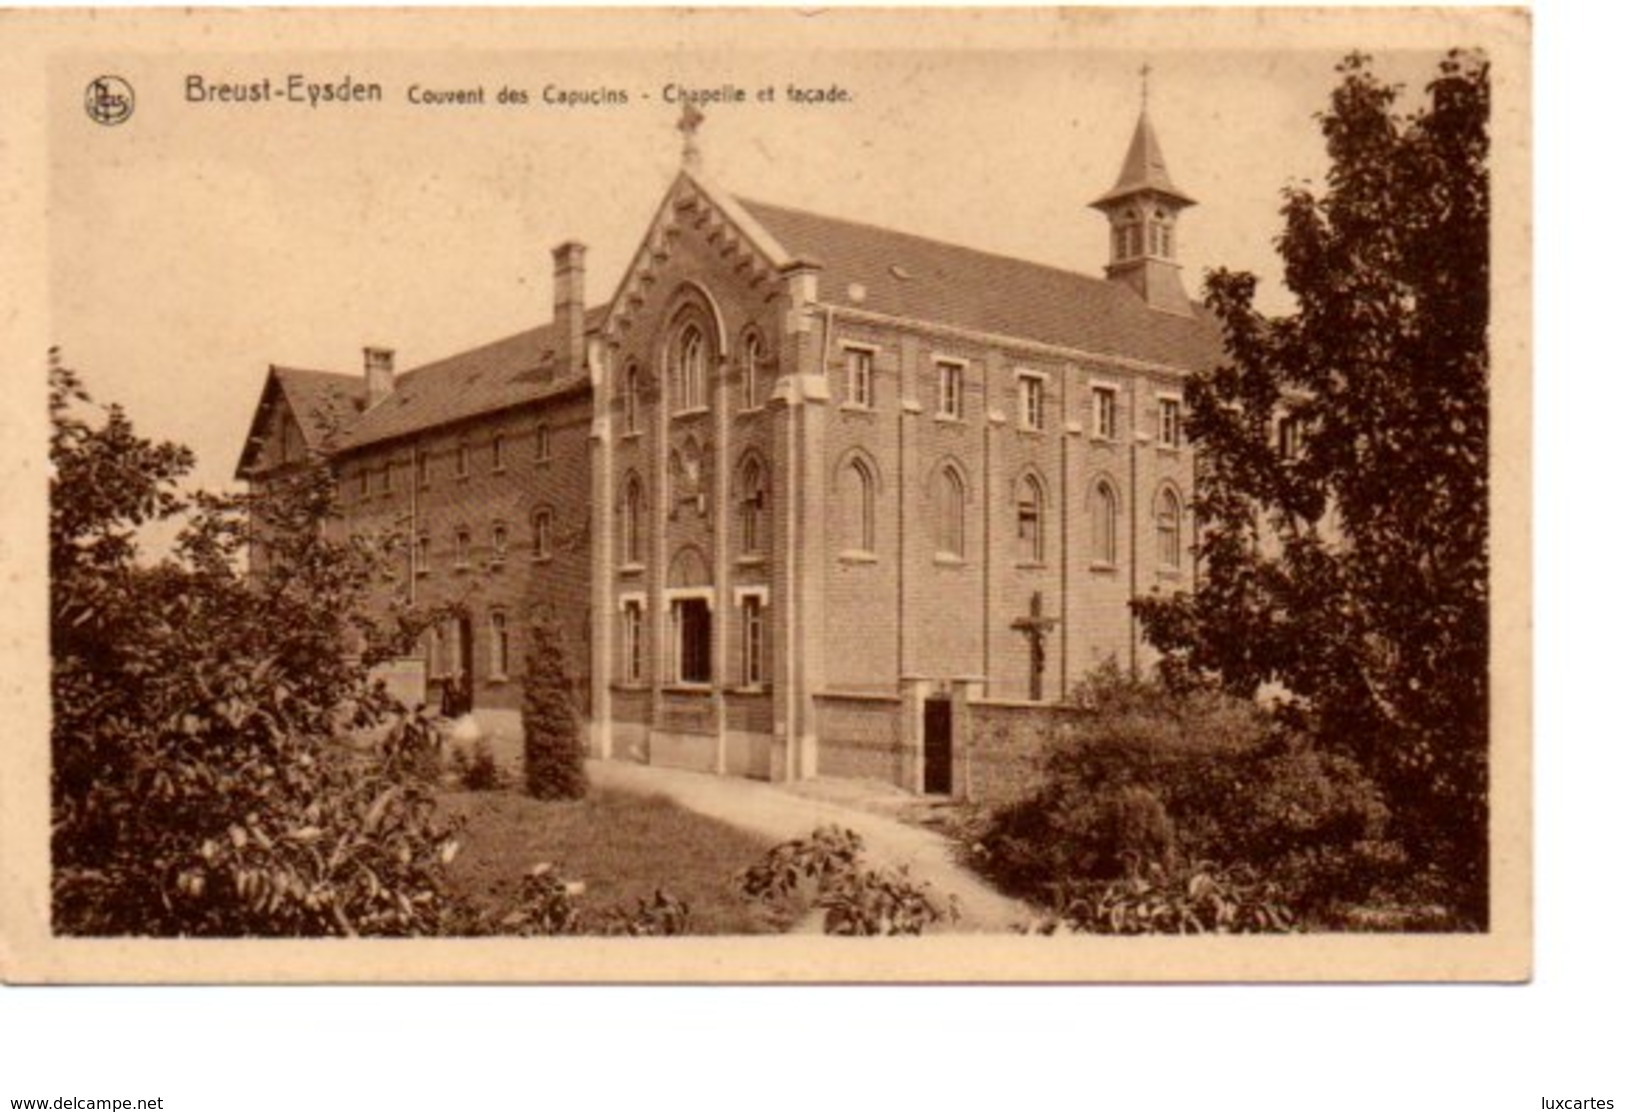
860	737
1002	746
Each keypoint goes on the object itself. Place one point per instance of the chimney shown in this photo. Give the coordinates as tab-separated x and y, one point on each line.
380	364
570	302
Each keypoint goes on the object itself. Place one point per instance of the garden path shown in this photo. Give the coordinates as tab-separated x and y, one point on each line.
780	814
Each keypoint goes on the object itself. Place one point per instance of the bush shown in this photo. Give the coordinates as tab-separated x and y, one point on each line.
476	768
555	766
1144	778
855	899
1198	898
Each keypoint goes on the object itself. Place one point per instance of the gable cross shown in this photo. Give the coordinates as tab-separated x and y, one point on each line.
1036	628
689	124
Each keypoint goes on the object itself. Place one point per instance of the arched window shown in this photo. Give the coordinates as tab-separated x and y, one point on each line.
692	357
629	398
541	534
1030	520
1104	525
858	507
949	500
499	542
749	368
752	507
632	510
1169	548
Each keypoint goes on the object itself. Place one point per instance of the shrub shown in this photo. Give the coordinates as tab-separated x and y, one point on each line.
1198	898
555	766
1142	777
855	899
476	768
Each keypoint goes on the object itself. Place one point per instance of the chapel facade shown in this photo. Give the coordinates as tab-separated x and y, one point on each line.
804	494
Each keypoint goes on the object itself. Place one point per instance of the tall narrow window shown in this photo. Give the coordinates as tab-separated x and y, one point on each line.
629	399
753	641
1030	399
860	378
499	645
632	511
1168	423
632	641
420	463
691	635
499	543
1289	438
1030	521
749	369
421	553
858	507
691	370
497	445
386	477
462	461
544	442
951	390
541	534
752	508
1169	548
464	543
290	440
1105	398
1104	525
950	513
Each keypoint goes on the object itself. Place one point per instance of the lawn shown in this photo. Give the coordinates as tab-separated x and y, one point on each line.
621	845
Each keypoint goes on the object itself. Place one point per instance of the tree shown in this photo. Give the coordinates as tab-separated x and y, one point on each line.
555	767
197	788
1345	464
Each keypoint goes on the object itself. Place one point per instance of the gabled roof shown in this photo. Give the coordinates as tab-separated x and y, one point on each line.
1144	169
521	368
903	275
321	403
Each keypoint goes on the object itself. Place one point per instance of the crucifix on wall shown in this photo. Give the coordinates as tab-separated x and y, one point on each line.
1036	628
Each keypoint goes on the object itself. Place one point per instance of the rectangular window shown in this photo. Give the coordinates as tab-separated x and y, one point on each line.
860	378
420	463
544	443
364	483
462	461
1030	400
950	390
499	645
421	554
1168	423
691	637
1289	438
754	641
1105	412
541	535
496	452
499	543
632	642
464	544
386	480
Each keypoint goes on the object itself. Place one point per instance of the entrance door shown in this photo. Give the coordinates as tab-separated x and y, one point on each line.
939	757
465	665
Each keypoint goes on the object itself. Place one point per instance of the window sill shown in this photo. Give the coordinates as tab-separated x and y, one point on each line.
750	410
631	569
632	434
693	412
857	408
1031	565
750	560
751	689
1103	441
630	685
1168	449
1034	431
1102	567
495	681
680	688
501	470
541	558
948	560
857	556
947	419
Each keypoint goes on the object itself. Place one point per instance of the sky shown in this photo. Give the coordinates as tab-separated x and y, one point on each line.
198	243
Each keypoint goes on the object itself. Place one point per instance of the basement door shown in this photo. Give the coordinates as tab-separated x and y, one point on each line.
939	746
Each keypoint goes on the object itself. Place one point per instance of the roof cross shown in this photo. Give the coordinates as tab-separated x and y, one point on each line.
689	124
1145	85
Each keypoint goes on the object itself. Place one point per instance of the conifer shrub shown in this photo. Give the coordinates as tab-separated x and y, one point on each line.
555	766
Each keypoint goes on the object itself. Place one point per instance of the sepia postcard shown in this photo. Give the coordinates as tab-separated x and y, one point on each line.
921	496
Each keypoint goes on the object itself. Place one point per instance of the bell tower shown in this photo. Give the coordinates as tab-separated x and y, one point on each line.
1143	210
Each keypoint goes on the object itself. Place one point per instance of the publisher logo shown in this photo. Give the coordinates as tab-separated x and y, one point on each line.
109	100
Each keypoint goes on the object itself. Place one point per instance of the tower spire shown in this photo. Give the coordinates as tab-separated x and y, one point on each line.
1143	209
